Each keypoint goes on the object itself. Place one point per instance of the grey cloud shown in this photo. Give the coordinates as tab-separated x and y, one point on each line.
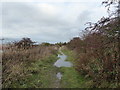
23	20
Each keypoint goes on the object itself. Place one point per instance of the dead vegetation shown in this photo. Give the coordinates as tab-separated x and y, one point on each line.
99	52
15	60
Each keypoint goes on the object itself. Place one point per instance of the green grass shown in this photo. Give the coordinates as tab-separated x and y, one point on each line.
40	74
71	55
71	78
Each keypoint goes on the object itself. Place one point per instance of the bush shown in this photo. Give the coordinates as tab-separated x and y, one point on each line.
99	51
25	43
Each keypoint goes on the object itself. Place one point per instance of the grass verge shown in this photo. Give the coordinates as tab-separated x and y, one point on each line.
40	74
71	78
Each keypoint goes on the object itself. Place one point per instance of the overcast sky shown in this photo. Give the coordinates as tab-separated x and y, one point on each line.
48	20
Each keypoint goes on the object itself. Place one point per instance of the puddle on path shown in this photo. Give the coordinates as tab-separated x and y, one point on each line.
59	75
62	63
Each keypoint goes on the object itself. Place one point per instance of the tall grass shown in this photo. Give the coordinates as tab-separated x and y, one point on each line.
99	51
15	61
98	60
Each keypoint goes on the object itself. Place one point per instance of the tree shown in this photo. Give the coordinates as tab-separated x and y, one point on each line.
24	43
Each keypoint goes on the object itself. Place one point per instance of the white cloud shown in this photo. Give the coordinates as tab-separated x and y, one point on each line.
51	22
51	1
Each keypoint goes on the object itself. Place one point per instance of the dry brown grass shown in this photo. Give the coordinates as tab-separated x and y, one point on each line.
97	58
14	60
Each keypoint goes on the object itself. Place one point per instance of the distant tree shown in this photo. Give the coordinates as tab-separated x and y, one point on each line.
64	43
24	43
46	44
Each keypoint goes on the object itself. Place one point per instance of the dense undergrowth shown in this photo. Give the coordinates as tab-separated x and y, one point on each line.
24	67
99	51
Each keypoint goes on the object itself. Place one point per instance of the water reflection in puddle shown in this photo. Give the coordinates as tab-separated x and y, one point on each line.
62	63
59	75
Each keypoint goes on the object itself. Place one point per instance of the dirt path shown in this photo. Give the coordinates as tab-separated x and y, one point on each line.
61	62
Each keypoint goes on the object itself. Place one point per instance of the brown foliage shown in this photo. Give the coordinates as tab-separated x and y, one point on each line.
99	50
15	60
